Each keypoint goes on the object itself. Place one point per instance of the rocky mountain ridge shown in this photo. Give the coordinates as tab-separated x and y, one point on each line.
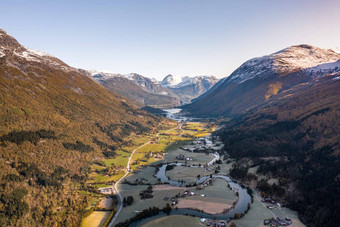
152	92
264	79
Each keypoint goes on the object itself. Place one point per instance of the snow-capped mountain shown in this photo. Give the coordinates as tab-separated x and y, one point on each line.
175	81
188	88
179	90
12	49
137	87
283	62
149	85
263	79
171	80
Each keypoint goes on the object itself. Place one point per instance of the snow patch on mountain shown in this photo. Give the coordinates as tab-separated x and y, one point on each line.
336	78
256	67
103	75
2	53
186	81
301	57
38	53
286	61
32	55
336	50
155	81
326	66
323	69
174	81
41	57
129	76
171	80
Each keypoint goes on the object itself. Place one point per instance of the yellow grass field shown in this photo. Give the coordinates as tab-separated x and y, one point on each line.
96	219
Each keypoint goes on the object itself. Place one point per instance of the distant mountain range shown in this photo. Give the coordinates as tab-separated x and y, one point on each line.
140	89
171	91
268	79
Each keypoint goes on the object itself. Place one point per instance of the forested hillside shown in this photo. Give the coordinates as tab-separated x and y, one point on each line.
54	122
295	140
264	79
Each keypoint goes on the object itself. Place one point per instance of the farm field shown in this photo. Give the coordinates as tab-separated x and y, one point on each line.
217	198
159	192
187	174
197	158
175	220
146	173
96	219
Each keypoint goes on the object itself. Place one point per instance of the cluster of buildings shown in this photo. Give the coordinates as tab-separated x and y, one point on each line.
214	223
277	222
107	191
156	155
271	203
182	157
174	199
205	183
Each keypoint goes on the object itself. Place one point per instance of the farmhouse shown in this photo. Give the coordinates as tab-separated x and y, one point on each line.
107	190
182	157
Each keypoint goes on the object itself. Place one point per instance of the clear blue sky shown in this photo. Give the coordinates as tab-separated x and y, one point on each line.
158	37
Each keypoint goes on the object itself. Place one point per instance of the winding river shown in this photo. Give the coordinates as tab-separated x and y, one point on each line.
174	114
240	207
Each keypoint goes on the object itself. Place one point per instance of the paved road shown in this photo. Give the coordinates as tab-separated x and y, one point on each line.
127	172
116	184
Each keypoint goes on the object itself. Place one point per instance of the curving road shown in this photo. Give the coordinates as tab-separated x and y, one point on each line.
116	184
127	172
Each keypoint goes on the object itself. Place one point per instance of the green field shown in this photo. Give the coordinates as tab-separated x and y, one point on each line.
146	173
197	158
217	198
187	174
139	204
217	192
